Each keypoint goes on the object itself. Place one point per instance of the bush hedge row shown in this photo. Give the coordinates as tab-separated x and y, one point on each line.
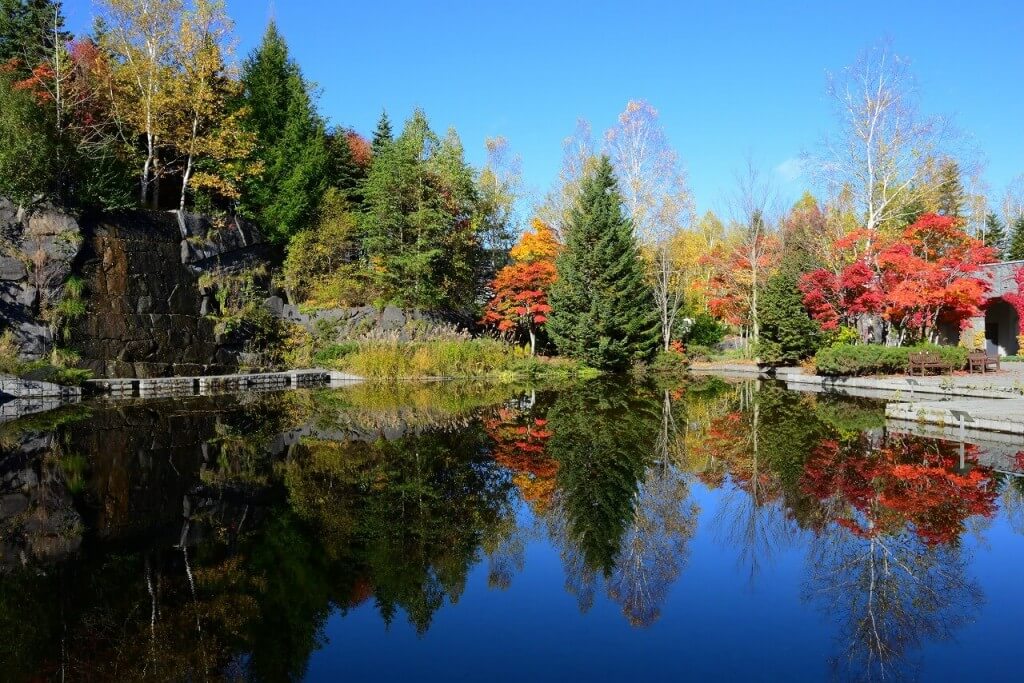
872	359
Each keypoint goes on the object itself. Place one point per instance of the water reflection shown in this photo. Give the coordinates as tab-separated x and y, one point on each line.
215	538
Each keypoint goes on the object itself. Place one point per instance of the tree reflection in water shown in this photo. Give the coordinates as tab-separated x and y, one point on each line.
890	562
298	505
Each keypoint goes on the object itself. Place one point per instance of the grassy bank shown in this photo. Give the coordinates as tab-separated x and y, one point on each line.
392	360
59	368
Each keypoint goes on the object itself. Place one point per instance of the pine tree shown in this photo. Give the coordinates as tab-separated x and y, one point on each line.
950	200
346	175
27	31
788	334
291	141
420	227
382	137
995	234
602	313
1016	249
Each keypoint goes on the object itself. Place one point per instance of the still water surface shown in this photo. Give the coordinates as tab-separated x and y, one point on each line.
607	531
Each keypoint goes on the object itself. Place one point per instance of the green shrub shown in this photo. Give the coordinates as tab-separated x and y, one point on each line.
871	359
705	330
669	363
697	352
334	353
841	335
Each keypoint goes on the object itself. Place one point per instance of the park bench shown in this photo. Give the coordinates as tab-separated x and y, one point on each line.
982	361
927	360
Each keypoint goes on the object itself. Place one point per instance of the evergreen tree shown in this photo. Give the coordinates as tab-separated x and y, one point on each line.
995	234
950	199
27	31
346	175
601	302
420	228
291	141
382	136
1016	249
788	334
597	431
28	149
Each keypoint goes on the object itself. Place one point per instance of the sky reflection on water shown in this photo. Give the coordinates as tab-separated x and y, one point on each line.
711	531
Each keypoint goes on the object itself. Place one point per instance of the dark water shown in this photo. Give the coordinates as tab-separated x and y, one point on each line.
604	532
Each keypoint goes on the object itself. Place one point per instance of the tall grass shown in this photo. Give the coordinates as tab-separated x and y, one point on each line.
392	359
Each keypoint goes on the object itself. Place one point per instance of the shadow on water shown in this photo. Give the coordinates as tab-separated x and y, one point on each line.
215	537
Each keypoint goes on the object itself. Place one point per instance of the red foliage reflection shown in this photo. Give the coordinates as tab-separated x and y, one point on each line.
902	480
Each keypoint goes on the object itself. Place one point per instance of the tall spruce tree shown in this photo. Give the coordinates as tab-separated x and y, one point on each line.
995	234
382	136
788	334
291	141
602	313
950	199
1015	252
419	224
346	175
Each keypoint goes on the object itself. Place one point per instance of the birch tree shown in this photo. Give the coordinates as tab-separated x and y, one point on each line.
499	186
754	209
579	158
882	144
656	196
208	132
142	36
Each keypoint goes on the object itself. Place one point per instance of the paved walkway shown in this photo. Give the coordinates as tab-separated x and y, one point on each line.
990	402
1005	384
989	415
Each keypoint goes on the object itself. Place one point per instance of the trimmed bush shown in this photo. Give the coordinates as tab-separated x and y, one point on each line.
696	352
876	359
704	330
669	363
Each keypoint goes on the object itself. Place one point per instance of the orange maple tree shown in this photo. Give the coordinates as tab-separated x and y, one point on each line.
520	443
520	301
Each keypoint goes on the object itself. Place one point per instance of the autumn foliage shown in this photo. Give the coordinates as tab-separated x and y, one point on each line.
520	301
922	278
520	443
1016	299
904	481
733	268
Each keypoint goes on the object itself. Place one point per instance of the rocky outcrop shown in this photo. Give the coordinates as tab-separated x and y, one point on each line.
37	252
369	322
146	312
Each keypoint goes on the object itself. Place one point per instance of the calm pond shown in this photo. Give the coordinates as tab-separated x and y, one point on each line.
603	531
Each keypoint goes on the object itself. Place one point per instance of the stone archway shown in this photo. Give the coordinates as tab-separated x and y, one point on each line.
1002	325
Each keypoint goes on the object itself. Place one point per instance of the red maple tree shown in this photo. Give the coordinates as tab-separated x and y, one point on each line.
520	443
926	276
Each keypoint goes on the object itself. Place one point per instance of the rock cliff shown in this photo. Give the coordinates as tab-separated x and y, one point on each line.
146	313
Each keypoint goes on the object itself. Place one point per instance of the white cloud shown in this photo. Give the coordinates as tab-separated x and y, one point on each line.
790	169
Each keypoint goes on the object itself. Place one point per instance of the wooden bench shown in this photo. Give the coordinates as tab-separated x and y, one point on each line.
982	361
927	360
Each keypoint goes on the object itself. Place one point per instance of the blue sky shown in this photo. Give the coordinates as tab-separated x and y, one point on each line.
729	79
